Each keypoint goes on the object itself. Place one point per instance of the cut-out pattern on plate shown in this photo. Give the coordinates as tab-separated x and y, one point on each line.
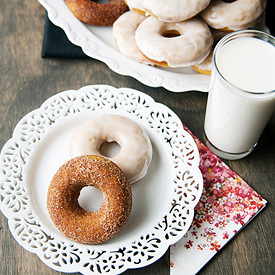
174	180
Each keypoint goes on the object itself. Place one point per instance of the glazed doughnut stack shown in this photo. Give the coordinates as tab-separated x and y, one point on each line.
170	33
166	32
177	34
111	176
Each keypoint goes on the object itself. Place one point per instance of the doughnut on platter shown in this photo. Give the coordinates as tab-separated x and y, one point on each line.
98	43
163	200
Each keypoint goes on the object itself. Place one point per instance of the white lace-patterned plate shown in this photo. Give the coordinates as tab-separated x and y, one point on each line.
98	43
163	201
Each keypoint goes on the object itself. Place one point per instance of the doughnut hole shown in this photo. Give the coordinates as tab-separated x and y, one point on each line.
90	199
171	33
109	149
101	1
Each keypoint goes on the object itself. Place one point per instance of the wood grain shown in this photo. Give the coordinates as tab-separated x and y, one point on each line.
27	80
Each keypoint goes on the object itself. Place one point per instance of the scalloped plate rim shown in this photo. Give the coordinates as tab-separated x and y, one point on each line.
174	82
195	170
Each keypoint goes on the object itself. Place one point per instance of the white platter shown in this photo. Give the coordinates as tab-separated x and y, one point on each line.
163	201
98	43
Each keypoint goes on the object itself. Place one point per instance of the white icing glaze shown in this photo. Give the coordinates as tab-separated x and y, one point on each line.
206	65
174	10
136	6
135	152
237	15
124	30
191	46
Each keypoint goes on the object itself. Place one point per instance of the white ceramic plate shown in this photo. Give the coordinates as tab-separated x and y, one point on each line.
163	201
98	43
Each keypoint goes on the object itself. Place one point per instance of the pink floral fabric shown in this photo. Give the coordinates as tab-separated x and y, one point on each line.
227	204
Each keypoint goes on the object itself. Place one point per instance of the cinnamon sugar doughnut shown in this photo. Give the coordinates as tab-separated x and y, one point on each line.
72	220
96	14
174	10
135	152
230	15
174	45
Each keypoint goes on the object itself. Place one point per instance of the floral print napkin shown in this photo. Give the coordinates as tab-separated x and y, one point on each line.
227	204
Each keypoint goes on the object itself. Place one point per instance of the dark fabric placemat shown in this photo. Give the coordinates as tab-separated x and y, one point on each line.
57	45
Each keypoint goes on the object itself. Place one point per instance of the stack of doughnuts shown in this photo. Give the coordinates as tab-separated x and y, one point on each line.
170	44
176	33
111	176
170	33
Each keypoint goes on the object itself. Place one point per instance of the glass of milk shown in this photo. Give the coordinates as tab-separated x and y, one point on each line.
241	99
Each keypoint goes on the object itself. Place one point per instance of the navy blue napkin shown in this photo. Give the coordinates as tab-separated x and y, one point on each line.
56	44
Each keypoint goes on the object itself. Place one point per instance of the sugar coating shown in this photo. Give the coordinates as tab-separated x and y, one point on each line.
97	14
72	220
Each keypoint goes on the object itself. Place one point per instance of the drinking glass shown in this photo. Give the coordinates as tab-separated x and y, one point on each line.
241	98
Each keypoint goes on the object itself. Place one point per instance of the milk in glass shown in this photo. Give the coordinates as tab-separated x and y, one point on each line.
242	92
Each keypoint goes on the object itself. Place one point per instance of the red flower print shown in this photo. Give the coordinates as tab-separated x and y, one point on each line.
255	205
239	219
226	199
225	235
197	223
215	246
199	247
189	244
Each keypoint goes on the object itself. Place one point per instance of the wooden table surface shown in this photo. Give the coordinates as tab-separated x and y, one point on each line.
27	80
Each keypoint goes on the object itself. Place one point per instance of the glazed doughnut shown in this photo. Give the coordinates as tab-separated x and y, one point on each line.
191	43
233	15
96	14
136	6
135	152
72	220
205	67
174	10
124	35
